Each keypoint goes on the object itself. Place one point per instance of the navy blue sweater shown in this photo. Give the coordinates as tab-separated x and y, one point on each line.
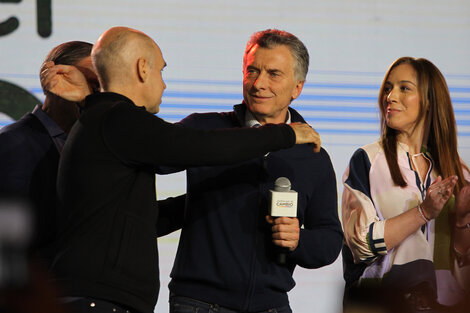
226	255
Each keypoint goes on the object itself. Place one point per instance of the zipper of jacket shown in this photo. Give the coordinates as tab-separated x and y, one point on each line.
252	281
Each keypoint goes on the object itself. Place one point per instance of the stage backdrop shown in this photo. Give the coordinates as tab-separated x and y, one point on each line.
351	45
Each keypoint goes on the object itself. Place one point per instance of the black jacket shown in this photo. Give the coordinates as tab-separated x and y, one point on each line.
106	186
226	255
28	170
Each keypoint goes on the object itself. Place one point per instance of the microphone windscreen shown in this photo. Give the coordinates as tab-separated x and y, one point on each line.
282	184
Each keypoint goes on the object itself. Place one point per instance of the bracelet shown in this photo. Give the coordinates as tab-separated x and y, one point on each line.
463	259
420	210
463	227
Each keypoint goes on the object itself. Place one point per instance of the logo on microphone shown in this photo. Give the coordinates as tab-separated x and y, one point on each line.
284	204
283	199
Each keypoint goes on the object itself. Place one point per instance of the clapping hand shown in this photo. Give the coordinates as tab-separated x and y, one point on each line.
437	195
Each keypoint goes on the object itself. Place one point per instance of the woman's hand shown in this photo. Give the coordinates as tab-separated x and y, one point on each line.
437	195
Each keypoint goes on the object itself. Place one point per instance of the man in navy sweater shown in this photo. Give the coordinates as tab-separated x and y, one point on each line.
226	258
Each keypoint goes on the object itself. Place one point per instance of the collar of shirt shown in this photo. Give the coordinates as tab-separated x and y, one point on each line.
251	121
57	134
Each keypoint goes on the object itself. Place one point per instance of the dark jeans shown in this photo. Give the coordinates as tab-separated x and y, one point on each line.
90	305
187	305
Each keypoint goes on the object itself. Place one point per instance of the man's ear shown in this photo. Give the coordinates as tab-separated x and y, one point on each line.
298	89
142	69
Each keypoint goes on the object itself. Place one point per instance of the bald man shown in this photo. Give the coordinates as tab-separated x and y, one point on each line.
108	259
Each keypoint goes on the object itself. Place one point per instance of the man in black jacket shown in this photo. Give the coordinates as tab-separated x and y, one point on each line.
228	247
108	258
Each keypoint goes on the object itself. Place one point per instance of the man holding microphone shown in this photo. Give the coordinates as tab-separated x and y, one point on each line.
228	251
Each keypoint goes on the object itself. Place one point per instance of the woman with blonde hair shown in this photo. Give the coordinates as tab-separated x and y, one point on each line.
406	198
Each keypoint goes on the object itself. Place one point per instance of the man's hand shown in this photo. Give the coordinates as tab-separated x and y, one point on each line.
286	231
65	81
306	134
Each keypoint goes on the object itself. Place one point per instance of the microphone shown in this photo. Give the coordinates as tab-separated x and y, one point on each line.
283	203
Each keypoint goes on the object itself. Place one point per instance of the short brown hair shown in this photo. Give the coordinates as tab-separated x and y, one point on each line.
271	38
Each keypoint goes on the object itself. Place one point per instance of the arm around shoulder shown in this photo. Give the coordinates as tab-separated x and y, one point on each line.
139	137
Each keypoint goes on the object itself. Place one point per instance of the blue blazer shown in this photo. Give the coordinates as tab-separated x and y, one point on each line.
29	160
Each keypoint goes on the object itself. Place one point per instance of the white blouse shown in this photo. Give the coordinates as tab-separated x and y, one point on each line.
370	197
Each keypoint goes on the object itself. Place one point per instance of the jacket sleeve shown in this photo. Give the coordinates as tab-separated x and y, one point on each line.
363	230
139	138
15	165
170	215
321	237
